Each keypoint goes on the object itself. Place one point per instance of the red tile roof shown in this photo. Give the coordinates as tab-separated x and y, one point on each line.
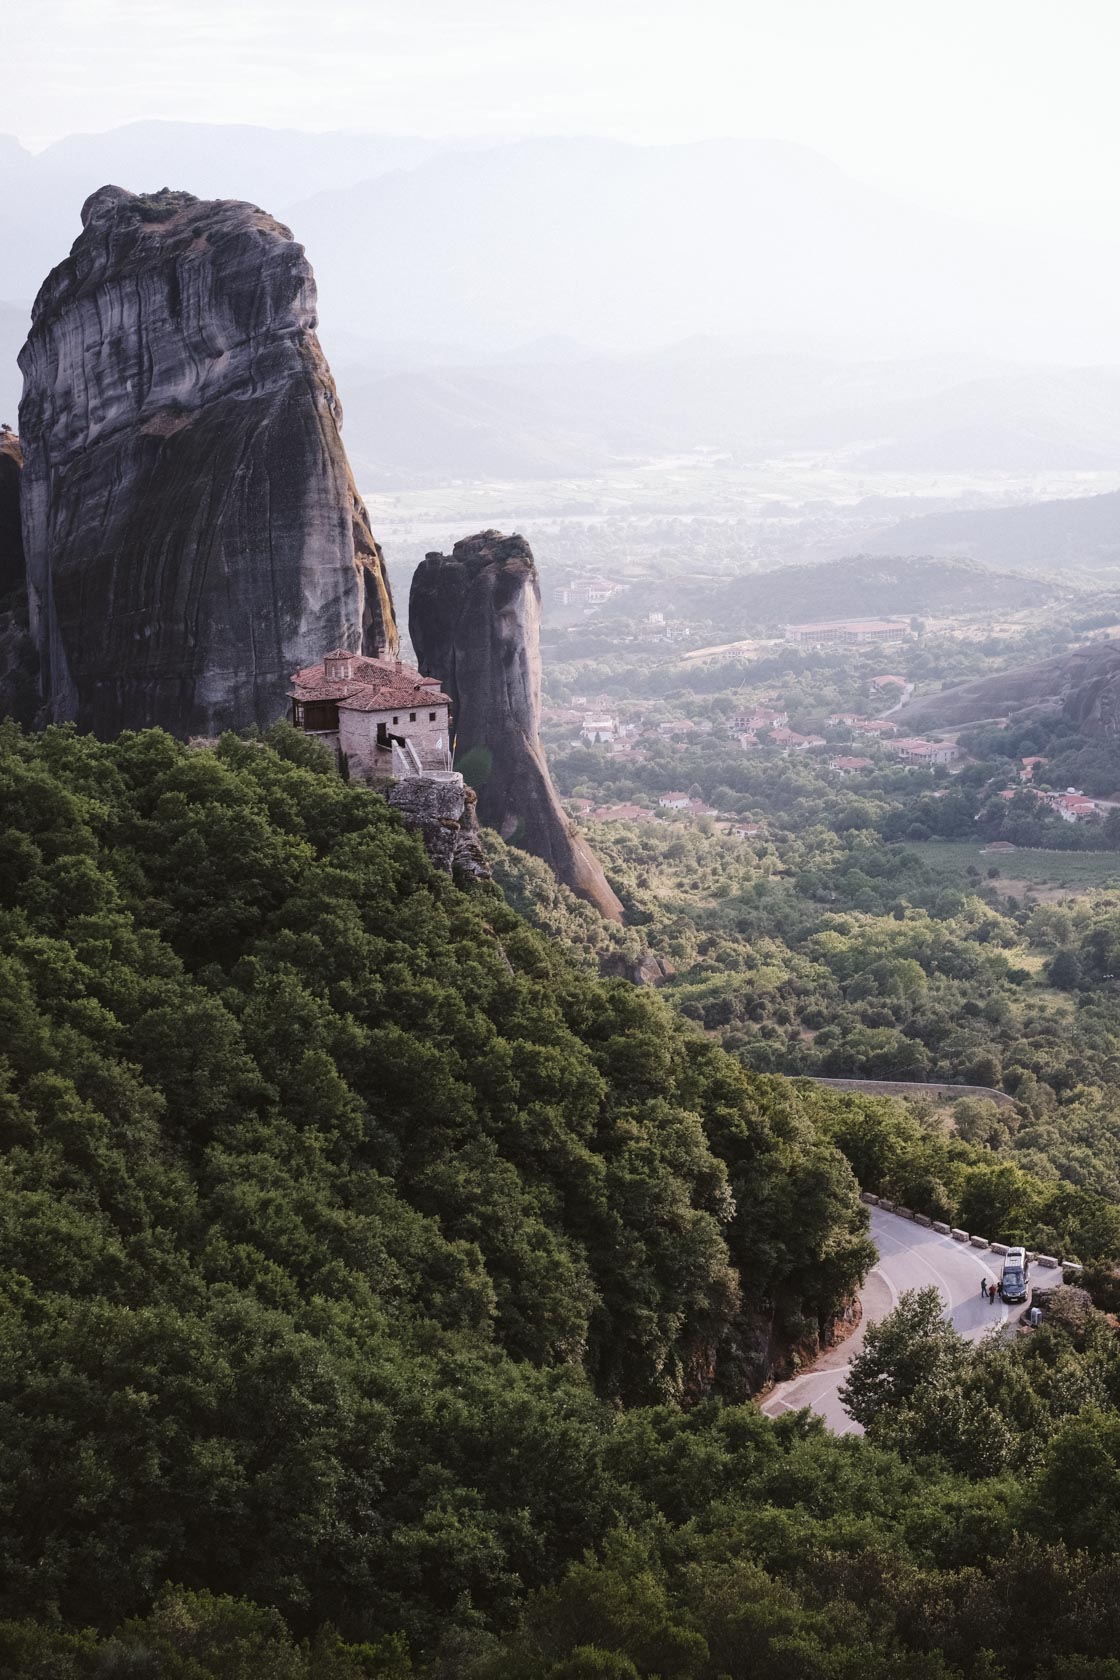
377	685
620	813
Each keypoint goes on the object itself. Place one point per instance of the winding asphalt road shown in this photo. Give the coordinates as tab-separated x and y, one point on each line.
910	1257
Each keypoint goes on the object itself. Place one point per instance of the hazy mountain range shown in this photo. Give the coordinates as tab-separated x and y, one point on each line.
1074	533
538	417
467	292
857	586
634	246
489	244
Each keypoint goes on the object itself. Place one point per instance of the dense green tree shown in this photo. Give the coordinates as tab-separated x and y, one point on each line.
913	1348
1064	970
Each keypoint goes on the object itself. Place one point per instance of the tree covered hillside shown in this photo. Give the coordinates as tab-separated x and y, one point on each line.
337	1207
857	586
376	1288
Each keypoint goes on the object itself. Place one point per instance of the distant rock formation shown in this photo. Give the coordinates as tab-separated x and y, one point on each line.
643	970
12	573
474	618
192	529
1082	685
1093	702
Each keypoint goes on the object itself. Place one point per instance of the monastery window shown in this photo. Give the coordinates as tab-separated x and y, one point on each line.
431	717
320	714
396	720
412	717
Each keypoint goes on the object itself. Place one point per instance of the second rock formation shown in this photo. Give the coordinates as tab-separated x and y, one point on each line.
474	619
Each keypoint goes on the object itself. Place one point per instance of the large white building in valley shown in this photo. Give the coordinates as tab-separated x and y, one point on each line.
848	632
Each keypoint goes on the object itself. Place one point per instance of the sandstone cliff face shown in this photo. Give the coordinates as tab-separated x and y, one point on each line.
1093	703
474	618
1083	685
192	530
11	540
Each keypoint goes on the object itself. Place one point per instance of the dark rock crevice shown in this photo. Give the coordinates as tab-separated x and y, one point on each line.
19	664
12	564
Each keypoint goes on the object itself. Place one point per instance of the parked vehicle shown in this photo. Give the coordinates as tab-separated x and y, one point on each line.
1014	1284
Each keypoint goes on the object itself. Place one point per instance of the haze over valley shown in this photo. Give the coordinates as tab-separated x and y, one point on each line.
631	329
559	841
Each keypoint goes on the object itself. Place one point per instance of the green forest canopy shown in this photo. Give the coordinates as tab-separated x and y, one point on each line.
378	1288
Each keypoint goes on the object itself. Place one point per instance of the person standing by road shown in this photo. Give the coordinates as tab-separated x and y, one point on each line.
983	1289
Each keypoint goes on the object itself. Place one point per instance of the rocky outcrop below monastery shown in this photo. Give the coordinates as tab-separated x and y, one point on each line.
192	529
443	812
1083	686
474	619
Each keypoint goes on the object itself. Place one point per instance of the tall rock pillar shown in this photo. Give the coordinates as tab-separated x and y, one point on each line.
474	619
192	529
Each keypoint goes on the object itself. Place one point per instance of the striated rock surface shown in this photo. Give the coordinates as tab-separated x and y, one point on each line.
474	619
192	529
11	538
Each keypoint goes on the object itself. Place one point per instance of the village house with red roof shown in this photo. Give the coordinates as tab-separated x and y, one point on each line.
621	813
379	715
760	717
791	741
874	726
1072	806
913	749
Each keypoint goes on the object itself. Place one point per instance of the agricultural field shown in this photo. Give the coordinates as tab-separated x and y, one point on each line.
1044	874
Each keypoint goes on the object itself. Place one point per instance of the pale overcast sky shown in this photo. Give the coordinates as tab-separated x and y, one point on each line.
1000	109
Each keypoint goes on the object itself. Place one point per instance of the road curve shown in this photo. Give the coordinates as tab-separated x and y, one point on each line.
910	1257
